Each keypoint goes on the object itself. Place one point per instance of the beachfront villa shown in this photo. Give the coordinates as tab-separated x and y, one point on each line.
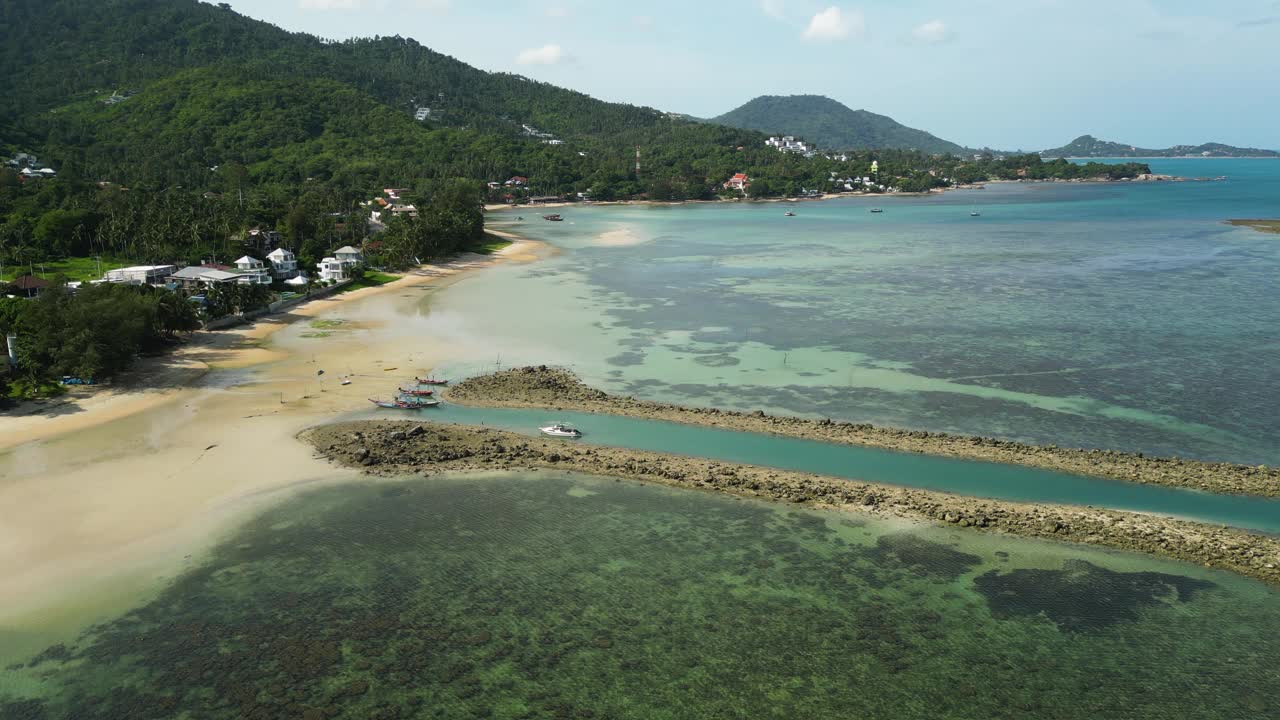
284	264
252	271
349	255
740	181
332	270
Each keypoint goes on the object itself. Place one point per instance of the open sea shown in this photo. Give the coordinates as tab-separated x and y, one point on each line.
1119	315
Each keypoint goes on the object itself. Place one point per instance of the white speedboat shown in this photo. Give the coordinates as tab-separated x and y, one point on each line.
561	430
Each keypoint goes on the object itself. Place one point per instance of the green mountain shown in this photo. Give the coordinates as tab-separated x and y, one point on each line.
1090	146
831	125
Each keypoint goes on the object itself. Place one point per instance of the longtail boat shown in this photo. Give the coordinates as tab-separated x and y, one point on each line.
404	404
417	392
431	381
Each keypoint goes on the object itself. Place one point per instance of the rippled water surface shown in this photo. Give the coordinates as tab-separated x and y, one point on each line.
553	596
1122	315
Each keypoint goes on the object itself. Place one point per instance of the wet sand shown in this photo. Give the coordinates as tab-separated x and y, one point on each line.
400	448
129	492
553	388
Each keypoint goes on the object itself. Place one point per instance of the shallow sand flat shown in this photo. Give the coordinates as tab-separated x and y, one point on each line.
153	382
129	494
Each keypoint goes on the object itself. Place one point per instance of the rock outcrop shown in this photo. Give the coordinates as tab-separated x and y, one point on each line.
399	448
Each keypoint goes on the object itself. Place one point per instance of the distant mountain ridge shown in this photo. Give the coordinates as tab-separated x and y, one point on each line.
1090	146
832	125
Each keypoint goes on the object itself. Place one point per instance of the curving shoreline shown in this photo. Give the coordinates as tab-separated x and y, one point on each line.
550	388
394	448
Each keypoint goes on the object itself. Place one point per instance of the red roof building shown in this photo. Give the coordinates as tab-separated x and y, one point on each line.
739	181
28	286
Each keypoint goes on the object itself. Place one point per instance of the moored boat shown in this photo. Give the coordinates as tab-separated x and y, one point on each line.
876	210
555	217
431	381
403	404
560	429
789	214
417	392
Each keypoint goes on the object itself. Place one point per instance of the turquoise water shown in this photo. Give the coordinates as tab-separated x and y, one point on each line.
574	597
1124	316
964	477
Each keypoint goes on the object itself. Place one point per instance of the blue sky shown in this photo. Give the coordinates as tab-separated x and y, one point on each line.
1025	74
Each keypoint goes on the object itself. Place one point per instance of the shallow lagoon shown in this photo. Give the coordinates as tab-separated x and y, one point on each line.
557	596
1125	316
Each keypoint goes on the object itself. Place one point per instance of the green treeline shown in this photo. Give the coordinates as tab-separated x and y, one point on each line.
93	333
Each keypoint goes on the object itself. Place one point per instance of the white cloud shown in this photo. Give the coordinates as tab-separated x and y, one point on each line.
934	31
545	55
773	8
330	4
835	24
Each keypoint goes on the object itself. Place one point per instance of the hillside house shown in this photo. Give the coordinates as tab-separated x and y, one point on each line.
740	182
517	181
28	286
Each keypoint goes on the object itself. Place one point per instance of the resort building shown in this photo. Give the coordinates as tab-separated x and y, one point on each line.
284	264
739	181
789	144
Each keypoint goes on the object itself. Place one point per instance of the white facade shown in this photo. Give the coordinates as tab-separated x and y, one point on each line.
349	255
332	270
252	271
284	264
140	274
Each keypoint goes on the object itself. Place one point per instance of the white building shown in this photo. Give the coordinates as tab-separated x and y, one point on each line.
252	271
422	114
196	276
349	255
332	270
788	143
141	274
284	264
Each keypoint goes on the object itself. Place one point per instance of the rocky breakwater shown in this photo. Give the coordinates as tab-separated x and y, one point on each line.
554	388
400	448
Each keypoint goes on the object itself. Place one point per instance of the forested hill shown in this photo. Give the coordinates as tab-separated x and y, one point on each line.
1090	146
831	125
186	69
59	51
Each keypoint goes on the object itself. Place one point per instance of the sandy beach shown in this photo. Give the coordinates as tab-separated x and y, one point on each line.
126	490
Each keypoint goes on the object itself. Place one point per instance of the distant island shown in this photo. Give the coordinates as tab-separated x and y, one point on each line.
832	125
1091	147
